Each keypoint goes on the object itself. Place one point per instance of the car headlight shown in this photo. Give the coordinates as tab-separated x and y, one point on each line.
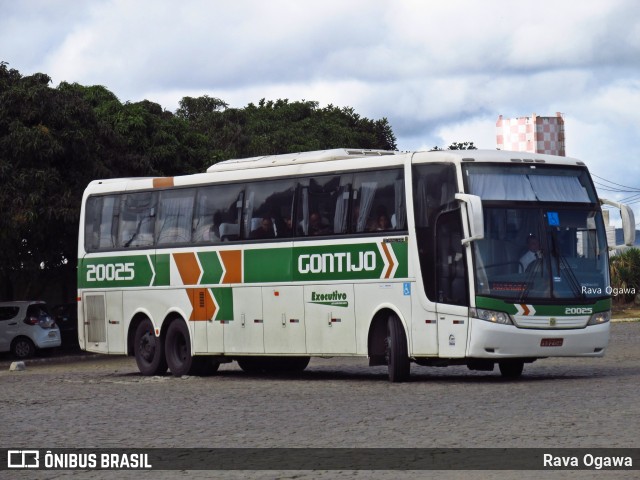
600	318
491	316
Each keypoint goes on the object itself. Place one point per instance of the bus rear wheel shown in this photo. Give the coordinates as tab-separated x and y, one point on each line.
178	350
148	350
396	351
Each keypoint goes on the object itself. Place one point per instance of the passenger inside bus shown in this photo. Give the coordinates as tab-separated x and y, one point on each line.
317	226
382	221
264	230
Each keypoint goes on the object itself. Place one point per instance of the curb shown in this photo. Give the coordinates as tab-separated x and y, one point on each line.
81	357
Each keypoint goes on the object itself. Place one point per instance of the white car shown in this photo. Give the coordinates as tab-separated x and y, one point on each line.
25	327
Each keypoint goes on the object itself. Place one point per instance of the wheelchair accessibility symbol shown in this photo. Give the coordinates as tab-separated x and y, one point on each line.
406	288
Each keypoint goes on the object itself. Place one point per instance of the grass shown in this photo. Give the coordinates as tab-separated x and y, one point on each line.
625	310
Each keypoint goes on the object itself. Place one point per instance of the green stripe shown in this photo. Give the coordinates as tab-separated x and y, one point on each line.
267	265
115	272
162	270
343	262
401	252
211	268
541	310
224	299
337	262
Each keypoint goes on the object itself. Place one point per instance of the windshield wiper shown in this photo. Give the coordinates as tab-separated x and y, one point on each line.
563	265
531	274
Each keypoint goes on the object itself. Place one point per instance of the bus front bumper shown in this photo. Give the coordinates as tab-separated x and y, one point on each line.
490	340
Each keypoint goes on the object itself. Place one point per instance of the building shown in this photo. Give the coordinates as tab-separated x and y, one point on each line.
531	134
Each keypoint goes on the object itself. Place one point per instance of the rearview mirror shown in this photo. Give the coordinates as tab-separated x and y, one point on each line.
475	216
628	220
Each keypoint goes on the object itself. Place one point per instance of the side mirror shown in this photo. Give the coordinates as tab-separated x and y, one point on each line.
475	216
628	220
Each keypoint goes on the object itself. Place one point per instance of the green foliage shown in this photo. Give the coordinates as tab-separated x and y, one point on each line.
281	126
462	146
625	273
54	141
456	146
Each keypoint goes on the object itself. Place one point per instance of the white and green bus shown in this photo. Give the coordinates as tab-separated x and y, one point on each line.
397	257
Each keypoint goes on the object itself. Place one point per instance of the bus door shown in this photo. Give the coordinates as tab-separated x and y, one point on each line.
451	285
103	325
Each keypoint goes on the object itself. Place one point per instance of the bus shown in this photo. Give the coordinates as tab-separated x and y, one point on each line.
476	258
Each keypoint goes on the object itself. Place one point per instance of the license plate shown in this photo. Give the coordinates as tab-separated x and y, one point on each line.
53	334
551	342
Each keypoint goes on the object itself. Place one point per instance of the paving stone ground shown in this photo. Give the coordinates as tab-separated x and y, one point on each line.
104	402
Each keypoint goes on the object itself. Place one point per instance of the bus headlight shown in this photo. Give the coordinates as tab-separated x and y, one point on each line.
600	318
491	316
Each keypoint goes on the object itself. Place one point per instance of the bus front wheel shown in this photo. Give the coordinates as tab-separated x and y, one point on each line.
396	351
148	350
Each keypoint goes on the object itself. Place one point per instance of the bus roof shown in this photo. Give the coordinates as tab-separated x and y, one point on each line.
297	158
349	153
302	163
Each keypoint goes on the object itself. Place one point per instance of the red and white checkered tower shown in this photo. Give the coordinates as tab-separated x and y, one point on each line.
531	134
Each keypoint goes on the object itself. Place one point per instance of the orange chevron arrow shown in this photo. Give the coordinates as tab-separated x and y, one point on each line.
188	267
232	264
387	254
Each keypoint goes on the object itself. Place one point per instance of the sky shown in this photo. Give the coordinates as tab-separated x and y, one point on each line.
439	71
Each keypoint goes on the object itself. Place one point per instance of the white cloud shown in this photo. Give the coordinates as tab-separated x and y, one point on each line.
439	71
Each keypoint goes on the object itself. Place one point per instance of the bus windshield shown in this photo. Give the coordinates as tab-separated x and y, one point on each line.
544	235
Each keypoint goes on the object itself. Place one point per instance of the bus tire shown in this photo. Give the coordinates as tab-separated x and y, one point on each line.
251	364
148	350
396	351
178	350
286	364
204	366
511	368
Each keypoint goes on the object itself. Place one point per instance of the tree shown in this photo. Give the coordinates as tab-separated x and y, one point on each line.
54	141
281	126
47	150
457	146
462	146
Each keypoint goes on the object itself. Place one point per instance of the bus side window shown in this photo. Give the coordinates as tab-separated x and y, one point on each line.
378	201
137	220
434	186
92	224
268	209
100	226
322	206
175	211
217	213
451	278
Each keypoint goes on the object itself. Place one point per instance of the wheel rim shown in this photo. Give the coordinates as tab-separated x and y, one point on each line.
22	349
387	346
147	346
181	348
